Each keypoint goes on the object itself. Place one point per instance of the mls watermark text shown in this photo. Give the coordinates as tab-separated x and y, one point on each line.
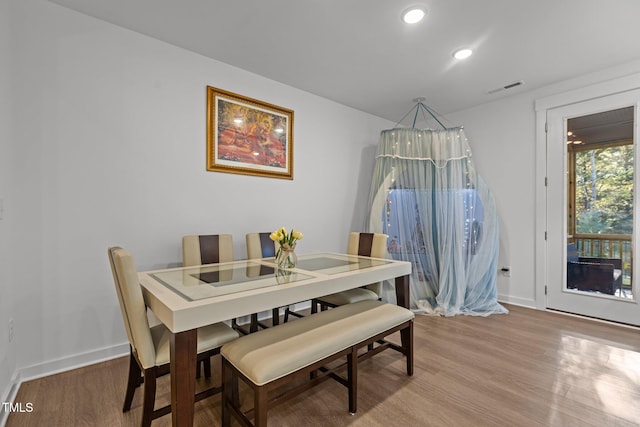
10	407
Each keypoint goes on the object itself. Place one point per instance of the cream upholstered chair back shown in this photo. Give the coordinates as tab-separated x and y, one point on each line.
132	305
368	244
206	249
260	245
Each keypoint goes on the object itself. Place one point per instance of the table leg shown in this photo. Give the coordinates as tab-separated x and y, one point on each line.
406	336
183	355
402	291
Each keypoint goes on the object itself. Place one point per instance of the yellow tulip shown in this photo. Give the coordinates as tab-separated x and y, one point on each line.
297	234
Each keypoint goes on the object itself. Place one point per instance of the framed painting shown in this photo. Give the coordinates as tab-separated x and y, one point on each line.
247	136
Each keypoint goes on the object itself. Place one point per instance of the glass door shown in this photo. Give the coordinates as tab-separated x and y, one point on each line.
591	206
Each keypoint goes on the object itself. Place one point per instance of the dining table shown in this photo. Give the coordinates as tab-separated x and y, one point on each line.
186	298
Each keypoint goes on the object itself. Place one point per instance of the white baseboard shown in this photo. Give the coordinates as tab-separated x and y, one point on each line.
523	302
73	362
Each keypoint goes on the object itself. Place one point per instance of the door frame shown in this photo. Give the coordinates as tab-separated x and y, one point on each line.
542	105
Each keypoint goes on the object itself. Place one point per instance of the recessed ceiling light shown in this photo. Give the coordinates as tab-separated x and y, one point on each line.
462	53
414	14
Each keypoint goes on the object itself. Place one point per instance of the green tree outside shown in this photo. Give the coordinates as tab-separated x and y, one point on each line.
604	190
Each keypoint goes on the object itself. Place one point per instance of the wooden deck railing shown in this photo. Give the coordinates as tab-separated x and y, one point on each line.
608	246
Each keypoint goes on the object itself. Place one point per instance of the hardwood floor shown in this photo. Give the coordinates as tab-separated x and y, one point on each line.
527	368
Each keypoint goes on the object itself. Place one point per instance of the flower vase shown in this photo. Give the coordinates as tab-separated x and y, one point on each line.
287	257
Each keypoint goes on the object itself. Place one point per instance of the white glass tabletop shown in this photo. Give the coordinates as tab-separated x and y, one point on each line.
196	283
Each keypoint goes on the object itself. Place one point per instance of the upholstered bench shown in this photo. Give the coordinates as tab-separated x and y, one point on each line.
270	358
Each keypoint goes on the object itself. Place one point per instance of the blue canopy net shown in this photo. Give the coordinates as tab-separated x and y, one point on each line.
439	215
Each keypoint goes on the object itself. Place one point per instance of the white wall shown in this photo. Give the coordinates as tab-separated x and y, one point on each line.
502	135
110	149
7	350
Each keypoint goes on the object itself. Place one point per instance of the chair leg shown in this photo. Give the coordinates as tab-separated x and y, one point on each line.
134	380
149	396
406	337
288	312
253	327
314	306
207	367
324	306
240	329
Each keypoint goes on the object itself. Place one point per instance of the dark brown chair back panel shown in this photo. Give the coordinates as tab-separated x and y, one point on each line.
209	249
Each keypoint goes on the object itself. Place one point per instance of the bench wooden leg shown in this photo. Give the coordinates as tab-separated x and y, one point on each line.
261	406
227	387
352	380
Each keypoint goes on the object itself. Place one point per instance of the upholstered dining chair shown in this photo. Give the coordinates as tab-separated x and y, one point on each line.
362	244
149	346
212	249
260	245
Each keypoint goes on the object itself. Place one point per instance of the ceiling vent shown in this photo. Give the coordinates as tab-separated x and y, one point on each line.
509	86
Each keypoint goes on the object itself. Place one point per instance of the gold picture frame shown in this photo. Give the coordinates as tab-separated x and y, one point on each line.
247	136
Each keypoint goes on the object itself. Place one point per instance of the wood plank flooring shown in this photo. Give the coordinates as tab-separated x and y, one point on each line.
527	368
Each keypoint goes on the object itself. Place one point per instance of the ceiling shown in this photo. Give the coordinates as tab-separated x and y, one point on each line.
360	54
